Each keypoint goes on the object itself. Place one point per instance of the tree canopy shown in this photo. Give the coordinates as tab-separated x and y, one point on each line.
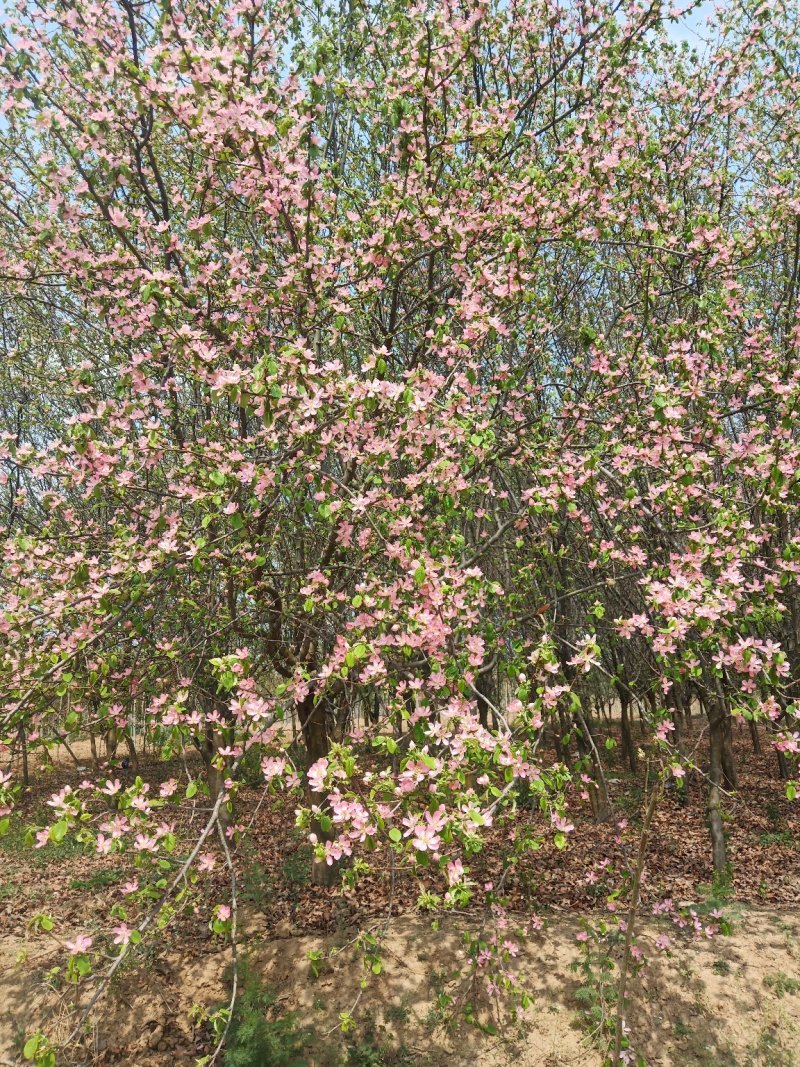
384	388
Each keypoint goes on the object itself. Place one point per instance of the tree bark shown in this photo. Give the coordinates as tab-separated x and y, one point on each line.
715	826
215	776
729	776
93	746
23	751
628	747
313	723
598	787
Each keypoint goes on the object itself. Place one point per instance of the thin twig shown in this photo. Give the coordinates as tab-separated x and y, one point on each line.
148	919
632	912
234	952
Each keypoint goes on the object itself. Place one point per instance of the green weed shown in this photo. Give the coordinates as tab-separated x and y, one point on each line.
781	984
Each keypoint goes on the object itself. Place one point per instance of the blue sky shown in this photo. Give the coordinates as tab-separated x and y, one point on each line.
691	28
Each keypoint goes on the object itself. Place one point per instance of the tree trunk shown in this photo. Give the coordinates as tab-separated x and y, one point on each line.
215	776
650	697
683	709
216	785
93	746
729	775
482	692
23	751
111	741
628	747
132	751
681	790
313	722
715	826
598	787
564	736
373	710
784	768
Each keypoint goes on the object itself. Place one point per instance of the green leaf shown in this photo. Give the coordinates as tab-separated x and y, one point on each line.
395	835
791	790
31	1047
191	790
58	831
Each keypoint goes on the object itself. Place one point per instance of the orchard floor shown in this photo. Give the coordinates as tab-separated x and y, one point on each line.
729	1001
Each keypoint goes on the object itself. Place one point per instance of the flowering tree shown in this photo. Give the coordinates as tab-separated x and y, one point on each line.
412	376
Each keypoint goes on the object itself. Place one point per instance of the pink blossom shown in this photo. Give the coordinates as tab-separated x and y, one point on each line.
122	934
274	767
82	943
118	218
664	728
455	872
561	824
316	775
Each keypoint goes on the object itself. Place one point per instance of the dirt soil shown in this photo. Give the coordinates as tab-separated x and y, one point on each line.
728	1001
733	1000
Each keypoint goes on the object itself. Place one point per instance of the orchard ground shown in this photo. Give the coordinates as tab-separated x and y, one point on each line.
731	999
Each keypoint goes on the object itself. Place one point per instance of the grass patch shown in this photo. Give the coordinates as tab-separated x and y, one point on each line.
770	1051
13	844
99	880
261	1034
781	983
779	837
